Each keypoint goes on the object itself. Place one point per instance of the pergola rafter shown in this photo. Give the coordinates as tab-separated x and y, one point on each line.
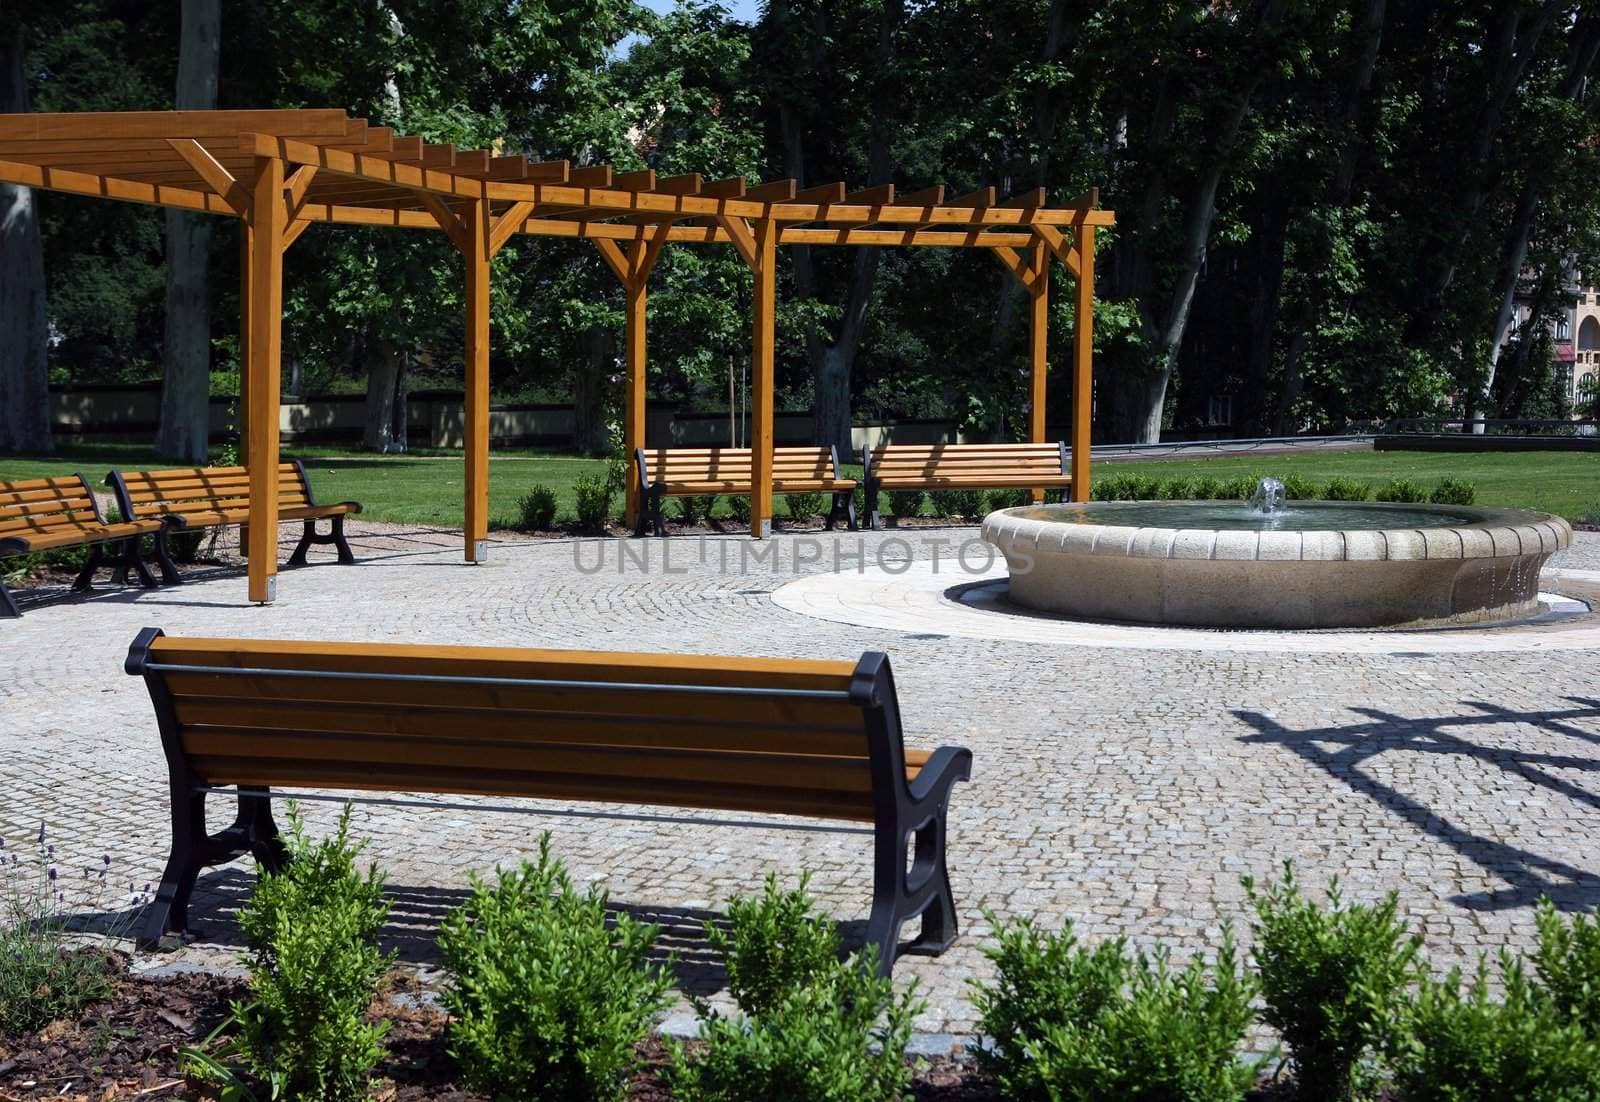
281	171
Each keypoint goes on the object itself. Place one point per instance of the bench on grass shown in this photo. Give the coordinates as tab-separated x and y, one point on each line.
806	738
209	497
891	467
694	472
47	514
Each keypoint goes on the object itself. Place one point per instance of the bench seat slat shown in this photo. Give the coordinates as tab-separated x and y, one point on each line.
75	535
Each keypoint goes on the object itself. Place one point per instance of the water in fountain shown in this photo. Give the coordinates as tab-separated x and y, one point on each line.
1268	497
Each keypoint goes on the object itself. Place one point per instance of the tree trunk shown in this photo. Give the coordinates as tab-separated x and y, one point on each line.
589	383
186	346
385	429
24	371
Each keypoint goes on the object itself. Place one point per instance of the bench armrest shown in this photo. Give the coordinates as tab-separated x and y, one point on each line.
948	765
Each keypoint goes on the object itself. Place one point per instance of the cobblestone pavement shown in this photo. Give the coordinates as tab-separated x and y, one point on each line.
1127	788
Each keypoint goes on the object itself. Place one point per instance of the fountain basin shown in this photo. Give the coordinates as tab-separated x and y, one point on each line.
1315	564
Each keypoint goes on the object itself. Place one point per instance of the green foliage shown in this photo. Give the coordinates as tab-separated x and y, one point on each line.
774	945
1239	487
739	508
1567	963
956	503
536	509
1333	980
1401	489
1298	488
803	507
43	977
1453	491
1143	488
594	504
1176	489
1208	489
1462	1046
1346	489
312	937
1109	488
1004	499
1074	1023
547	1000
905	503
695	510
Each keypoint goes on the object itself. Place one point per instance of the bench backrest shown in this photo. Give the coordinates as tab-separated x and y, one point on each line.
733	464
203	490
744	734
957	460
39	506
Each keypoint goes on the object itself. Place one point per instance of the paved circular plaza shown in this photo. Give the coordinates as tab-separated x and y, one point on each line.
1122	778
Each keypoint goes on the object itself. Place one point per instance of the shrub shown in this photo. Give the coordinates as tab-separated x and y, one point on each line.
1453	491
1567	962
594	503
905	503
42	978
1176	489
1462	1046
1401	489
1298	488
1240	487
842	1037
695	510
1111	488
312	937
537	508
956	503
1346	489
1143	488
1209	489
803	506
739	507
774	945
1007	499
1089	1024
547	1001
1333	980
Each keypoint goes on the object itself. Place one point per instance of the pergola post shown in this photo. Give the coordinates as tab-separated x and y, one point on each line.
763	336
1083	363
633	268
242	413
476	410
265	320
1038	347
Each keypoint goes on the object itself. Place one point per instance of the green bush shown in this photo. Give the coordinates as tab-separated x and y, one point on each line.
1143	488
1567	962
774	945
594	503
547	1001
695	510
1453	491
1346	489
1176	489
1240	487
956	503
803	507
1401	489
739	508
1209	489
1298	488
1462	1046
1072	1023
1110	488
905	503
1333	980
312	937
1007	499
537	508
42	978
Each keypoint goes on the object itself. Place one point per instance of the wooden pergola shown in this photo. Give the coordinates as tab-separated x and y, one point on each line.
280	172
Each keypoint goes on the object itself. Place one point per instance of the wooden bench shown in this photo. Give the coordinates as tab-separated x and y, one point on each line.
806	738
209	497
963	467
45	514
692	472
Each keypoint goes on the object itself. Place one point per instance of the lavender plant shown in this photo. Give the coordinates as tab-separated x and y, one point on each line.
47	971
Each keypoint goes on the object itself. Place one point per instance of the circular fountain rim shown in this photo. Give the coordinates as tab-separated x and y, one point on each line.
1493	532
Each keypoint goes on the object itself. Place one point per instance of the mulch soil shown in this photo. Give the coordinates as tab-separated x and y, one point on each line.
129	1046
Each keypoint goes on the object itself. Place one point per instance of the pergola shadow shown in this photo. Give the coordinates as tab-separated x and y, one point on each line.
1341	752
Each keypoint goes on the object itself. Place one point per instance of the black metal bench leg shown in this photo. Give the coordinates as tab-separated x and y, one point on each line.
874	521
258	831
168	568
833	514
169	910
658	522
346	556
308	536
850	511
939	924
85	578
8	607
128	559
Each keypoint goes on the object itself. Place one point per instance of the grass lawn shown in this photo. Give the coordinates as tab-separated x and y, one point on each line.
426	488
